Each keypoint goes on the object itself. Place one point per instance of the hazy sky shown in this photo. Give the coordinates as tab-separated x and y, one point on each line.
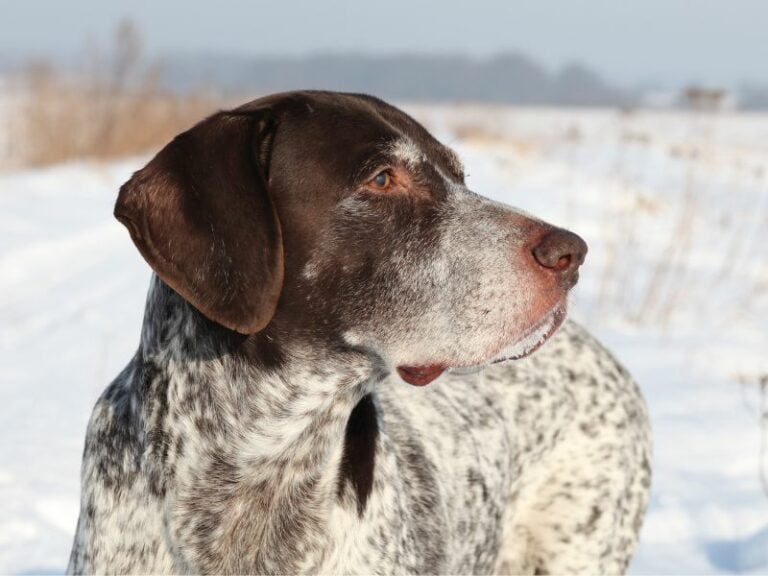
629	41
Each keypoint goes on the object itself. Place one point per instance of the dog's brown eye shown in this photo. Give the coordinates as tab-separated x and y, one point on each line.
382	180
390	182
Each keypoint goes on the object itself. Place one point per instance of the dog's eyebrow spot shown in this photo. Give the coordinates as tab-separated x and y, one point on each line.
406	150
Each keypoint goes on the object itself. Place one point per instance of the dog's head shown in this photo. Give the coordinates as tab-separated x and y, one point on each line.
320	215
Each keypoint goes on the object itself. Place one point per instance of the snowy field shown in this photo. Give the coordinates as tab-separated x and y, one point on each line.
673	206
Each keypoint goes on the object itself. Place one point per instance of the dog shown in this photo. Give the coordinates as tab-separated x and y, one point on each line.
318	262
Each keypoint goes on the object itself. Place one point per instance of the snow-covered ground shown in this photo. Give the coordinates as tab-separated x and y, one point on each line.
674	207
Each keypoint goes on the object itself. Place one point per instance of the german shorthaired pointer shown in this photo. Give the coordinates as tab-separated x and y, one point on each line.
318	261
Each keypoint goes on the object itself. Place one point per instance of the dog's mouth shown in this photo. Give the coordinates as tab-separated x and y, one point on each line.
535	337
528	344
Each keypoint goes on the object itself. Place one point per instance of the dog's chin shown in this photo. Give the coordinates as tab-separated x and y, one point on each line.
536	336
531	341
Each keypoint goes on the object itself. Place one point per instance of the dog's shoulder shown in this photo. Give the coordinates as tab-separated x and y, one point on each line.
591	372
119	527
113	432
583	442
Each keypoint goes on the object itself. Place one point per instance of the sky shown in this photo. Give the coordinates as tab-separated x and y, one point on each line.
630	42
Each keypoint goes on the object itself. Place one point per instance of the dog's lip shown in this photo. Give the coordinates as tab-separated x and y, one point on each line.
420	375
535	337
531	341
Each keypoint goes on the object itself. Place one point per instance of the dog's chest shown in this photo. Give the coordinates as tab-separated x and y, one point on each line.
442	479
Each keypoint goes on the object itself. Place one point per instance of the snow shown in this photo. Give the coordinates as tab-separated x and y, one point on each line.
674	207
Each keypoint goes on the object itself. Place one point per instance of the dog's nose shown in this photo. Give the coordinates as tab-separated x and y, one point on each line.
562	252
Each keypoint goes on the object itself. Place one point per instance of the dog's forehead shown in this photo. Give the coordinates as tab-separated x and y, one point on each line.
366	120
414	144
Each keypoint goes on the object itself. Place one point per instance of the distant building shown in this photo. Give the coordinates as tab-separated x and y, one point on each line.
692	98
707	99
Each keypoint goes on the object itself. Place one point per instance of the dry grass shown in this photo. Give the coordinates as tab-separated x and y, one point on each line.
114	108
485	137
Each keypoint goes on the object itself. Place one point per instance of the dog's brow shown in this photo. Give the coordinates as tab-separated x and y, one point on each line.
407	151
410	154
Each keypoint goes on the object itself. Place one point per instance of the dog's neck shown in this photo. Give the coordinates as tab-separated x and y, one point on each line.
176	335
263	427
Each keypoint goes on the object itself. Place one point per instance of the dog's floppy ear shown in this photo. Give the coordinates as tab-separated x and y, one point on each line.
201	215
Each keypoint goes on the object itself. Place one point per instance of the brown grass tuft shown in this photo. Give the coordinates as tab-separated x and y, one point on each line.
116	107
